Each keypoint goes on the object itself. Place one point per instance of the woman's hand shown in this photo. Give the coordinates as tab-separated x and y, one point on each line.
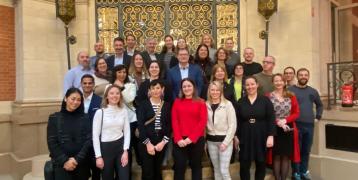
70	164
269	142
100	162
124	158
187	141
159	147
150	149
181	143
222	147
236	142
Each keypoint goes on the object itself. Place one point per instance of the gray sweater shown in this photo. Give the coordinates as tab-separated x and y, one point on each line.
306	97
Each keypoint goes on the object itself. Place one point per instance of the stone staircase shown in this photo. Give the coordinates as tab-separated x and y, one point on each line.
38	163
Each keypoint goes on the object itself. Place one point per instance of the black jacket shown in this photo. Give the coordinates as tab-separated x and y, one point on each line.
145	112
72	139
142	93
126	61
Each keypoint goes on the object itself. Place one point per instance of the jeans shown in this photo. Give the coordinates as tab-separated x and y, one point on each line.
305	133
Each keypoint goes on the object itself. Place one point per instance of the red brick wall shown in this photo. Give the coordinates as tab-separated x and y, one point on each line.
7	54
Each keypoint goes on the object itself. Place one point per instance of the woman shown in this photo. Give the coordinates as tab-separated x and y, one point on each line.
203	60
69	138
181	44
289	76
237	81
154	131
102	76
221	57
189	118
220	130
168	50
111	135
286	139
154	73
128	90
256	118
137	70
208	40
219	74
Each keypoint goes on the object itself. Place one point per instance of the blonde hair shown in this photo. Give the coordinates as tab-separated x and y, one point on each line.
220	86
105	100
212	44
215	68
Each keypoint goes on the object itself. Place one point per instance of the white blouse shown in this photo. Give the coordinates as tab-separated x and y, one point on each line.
115	125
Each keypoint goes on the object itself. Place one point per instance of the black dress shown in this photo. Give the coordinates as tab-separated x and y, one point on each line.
253	135
283	141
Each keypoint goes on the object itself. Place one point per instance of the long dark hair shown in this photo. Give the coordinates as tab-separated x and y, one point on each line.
81	108
119	68
197	58
165	49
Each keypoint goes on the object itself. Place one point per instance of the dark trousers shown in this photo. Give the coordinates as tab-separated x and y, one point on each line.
193	153
80	173
95	172
133	145
151	167
260	171
112	154
305	134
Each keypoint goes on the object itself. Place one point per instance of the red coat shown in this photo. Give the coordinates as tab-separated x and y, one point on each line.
295	113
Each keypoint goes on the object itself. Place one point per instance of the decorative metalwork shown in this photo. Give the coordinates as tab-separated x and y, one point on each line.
155	18
190	21
144	21
339	74
227	23
107	26
267	7
66	10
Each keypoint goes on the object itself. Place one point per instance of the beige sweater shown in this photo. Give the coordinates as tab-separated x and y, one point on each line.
224	121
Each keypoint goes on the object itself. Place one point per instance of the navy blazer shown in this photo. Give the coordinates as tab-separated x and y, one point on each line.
174	78
94	105
126	61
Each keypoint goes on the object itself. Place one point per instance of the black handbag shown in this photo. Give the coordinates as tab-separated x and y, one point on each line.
49	170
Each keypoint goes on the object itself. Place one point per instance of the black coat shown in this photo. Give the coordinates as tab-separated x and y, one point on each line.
126	61
72	139
142	93
145	112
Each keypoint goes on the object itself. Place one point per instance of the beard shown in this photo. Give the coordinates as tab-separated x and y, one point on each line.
302	82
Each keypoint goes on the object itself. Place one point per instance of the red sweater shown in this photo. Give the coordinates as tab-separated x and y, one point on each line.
189	119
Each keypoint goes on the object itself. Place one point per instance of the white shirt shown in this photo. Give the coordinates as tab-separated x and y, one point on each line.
87	102
153	57
115	125
184	71
118	60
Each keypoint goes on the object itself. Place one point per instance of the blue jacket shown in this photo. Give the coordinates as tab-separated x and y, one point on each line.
174	78
94	105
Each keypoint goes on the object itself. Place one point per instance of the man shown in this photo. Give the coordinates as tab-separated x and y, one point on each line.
91	102
234	58
250	67
74	75
264	78
119	57
184	70
306	96
99	49
150	55
130	42
289	75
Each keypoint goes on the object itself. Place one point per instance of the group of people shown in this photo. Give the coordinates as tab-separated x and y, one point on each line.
158	104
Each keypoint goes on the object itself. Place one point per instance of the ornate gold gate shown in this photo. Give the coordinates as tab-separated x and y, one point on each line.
156	18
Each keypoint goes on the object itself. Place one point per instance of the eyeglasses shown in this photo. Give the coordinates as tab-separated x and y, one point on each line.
267	62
